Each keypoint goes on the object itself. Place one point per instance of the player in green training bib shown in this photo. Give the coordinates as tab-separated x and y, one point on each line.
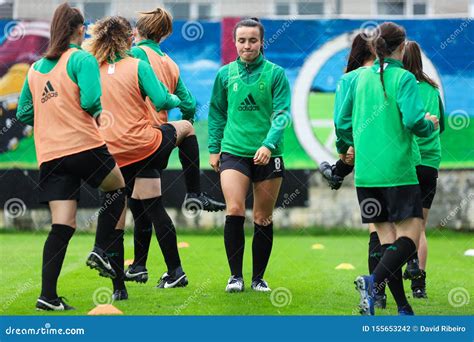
249	111
428	155
380	115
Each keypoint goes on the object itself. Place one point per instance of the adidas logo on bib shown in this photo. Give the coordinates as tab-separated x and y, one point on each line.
248	104
48	92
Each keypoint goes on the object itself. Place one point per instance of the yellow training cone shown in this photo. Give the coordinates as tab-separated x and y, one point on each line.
105	309
317	246
345	266
183	244
128	262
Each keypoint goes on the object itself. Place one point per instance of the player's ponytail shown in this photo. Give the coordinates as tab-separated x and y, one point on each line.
155	25
387	39
110	37
414	64
66	20
360	52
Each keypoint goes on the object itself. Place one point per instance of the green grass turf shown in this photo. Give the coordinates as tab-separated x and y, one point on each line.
308	275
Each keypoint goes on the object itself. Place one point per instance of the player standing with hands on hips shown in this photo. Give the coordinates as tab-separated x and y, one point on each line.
248	113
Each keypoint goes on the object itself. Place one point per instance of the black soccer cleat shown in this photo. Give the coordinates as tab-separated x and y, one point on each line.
420	293
202	201
333	180
98	260
412	271
58	304
120	295
136	273
405	310
177	278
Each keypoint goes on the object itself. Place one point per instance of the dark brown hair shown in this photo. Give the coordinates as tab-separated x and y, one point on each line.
413	63
110	37
388	37
250	22
360	52
155	25
65	22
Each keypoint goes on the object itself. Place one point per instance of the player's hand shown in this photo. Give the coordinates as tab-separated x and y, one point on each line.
349	157
433	119
214	161
262	156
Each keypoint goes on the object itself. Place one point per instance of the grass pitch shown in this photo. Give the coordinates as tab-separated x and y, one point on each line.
303	279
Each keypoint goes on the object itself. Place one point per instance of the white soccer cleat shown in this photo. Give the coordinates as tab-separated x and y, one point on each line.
235	284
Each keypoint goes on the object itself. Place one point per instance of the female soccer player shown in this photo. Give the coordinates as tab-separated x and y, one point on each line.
249	110
152	28
360	57
141	150
61	98
430	156
386	111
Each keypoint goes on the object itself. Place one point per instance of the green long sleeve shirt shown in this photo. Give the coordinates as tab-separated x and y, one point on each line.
82	69
249	73
381	128
188	102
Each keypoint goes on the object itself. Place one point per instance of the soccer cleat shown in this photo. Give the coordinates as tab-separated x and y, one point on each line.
120	294
327	171
405	310
365	286
98	260
136	273
202	201
380	301
412	270
57	304
168	281
235	284
419	292
260	285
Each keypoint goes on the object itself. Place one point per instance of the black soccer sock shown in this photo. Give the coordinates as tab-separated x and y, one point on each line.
113	203
375	251
165	231
142	232
390	266
189	157
342	169
115	253
53	256
375	254
234	241
261	249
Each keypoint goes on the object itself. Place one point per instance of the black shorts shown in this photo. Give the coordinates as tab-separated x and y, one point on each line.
60	179
389	204
257	173
427	177
153	165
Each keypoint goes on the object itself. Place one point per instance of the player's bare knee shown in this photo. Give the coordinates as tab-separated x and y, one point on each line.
235	210
262	219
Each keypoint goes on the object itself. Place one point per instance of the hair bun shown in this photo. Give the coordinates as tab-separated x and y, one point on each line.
255	19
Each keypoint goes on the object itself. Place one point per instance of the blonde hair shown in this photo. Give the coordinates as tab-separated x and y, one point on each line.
110	38
155	25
